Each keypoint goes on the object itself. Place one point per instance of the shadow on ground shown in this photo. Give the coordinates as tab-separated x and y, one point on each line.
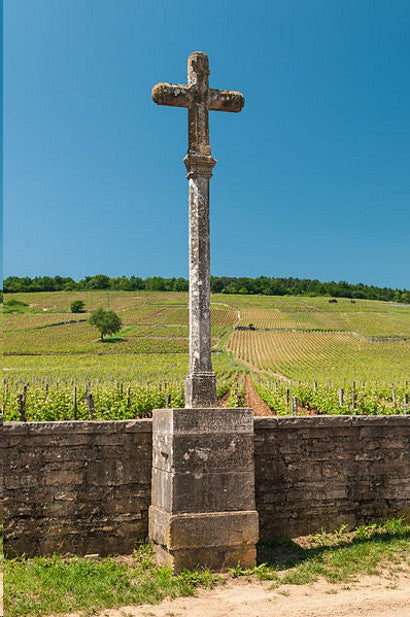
281	553
113	340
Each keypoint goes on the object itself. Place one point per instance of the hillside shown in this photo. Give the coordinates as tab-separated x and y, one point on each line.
279	339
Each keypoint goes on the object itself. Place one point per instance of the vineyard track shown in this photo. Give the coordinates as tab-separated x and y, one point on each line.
254	401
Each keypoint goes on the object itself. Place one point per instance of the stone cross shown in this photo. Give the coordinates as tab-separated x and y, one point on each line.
198	98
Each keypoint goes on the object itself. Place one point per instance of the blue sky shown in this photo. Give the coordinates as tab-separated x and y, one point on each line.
313	176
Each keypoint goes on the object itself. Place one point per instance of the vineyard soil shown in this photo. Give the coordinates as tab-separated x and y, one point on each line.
254	401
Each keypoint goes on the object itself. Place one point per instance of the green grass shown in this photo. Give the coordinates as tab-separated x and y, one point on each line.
337	557
41	586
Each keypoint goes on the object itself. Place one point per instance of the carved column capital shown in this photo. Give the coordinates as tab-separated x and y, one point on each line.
199	166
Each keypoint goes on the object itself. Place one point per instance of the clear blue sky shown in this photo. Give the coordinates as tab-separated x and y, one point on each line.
313	176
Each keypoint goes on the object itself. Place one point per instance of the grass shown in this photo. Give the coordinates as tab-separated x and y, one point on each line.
42	586
338	557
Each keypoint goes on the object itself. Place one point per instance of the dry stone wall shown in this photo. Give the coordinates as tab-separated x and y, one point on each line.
76	487
85	487
319	472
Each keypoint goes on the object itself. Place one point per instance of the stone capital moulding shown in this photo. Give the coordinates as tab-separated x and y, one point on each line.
199	166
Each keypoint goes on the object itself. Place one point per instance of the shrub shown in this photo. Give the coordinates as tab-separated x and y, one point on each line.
77	306
14	306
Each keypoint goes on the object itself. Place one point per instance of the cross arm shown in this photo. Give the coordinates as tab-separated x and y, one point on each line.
175	95
225	100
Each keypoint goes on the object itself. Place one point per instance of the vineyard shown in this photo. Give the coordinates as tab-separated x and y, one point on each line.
319	355
371	397
108	387
304	355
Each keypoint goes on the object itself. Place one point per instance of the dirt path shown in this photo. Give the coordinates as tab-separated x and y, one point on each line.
254	401
371	597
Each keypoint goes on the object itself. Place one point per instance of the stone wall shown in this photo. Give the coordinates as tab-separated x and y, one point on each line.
84	487
318	472
76	487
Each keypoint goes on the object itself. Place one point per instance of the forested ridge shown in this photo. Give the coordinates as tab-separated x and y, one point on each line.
270	286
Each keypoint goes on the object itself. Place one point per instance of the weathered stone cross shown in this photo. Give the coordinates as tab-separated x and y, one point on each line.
199	98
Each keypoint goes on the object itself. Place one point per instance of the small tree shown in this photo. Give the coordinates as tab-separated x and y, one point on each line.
77	306
107	322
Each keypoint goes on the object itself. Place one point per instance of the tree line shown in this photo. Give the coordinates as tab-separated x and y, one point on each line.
262	285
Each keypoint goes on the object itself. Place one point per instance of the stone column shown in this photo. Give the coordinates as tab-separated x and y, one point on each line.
202	511
200	382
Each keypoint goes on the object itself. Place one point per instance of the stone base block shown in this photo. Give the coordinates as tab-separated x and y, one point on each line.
216	540
203	488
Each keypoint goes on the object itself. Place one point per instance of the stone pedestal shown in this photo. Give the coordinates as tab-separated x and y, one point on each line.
203	498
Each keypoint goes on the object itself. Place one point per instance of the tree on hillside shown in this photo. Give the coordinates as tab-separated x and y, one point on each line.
106	322
77	306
